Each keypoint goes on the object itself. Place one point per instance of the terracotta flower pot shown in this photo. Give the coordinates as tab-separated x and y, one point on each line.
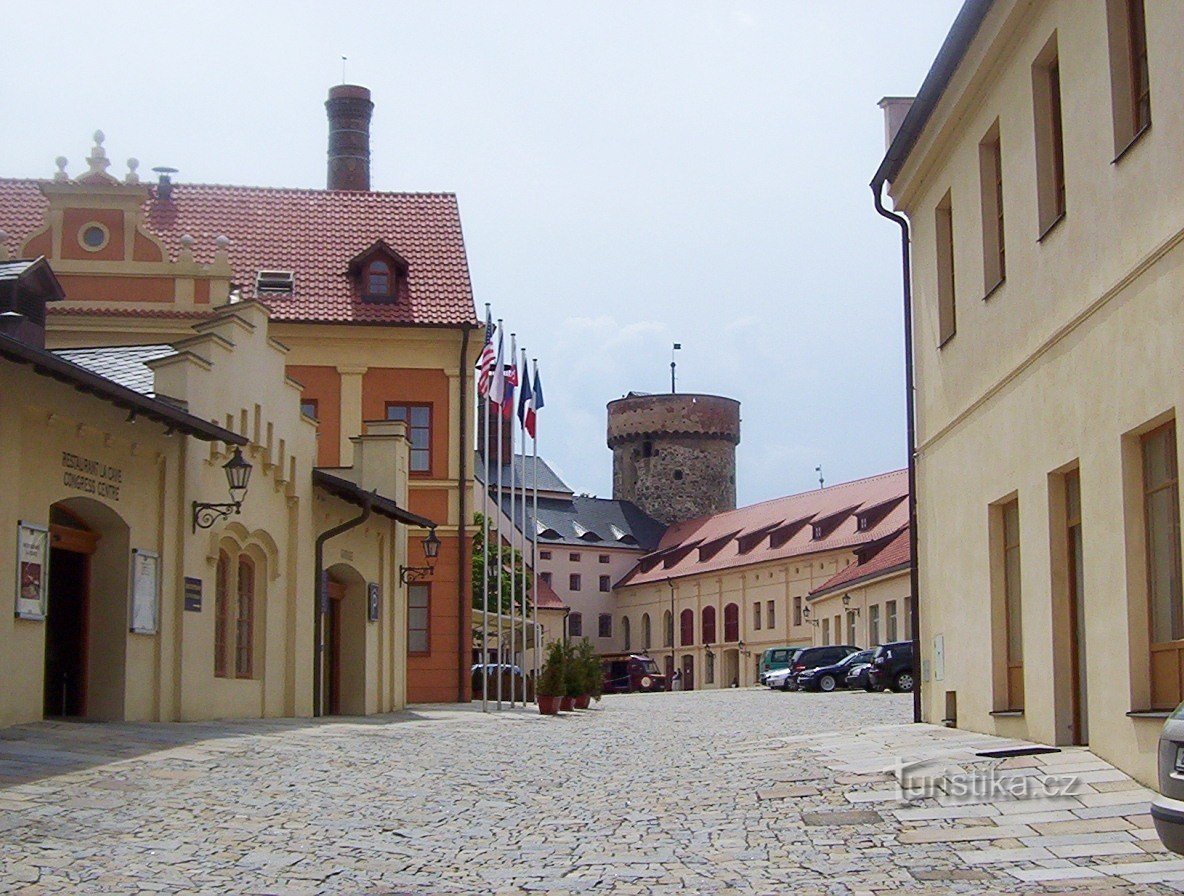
548	705
567	704
583	701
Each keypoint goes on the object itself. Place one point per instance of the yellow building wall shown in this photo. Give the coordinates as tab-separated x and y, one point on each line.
1061	366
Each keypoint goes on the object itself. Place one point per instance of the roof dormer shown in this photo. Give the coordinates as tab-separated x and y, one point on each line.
380	274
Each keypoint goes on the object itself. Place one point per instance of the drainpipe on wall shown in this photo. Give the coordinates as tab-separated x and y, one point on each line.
464	635
321	596
911	426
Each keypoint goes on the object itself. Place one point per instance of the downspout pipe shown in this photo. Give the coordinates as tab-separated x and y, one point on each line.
464	635
877	186
322	595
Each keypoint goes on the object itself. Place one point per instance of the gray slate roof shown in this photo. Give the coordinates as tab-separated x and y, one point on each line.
519	473
125	364
587	522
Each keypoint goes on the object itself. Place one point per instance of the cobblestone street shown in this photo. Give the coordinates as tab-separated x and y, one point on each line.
725	792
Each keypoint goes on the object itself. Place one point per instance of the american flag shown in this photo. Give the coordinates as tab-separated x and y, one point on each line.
485	362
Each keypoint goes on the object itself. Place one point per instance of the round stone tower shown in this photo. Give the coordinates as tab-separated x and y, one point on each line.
674	456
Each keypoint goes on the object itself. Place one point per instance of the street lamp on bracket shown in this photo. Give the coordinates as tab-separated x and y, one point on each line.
238	475
431	550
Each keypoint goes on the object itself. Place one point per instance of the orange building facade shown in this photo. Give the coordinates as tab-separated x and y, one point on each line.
368	291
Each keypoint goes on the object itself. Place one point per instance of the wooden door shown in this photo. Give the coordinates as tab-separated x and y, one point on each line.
333	648
688	673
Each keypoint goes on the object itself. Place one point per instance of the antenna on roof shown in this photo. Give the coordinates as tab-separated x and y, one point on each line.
818	470
164	187
677	347
343	58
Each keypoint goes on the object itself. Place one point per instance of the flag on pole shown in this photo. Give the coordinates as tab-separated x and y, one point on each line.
526	402
534	404
497	382
485	362
509	380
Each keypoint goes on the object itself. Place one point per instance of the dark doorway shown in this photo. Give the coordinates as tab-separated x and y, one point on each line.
333	649
688	673
65	621
670	673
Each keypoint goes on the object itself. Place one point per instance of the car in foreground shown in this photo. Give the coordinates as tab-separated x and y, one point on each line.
828	678
1167	809
892	667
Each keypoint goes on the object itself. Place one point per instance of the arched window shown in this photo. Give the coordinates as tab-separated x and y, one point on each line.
626	634
686	626
244	654
575	625
645	631
709	625
667	630
222	615
732	622
378	281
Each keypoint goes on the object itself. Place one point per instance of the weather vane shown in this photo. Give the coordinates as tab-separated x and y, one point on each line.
818	470
677	347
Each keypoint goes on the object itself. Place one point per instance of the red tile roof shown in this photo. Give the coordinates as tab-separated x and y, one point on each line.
314	233
840	505
548	599
889	556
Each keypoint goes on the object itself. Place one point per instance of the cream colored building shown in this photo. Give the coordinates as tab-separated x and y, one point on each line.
130	603
1041	172
721	589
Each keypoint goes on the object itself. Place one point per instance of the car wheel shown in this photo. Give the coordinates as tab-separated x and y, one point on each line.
904	682
869	688
826	683
785	685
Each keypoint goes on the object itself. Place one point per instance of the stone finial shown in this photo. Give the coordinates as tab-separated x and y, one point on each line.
222	242
97	160
131	177
60	174
186	241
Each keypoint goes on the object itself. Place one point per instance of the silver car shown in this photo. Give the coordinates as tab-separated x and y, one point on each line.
1167	809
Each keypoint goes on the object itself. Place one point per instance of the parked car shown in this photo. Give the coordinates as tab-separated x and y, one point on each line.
777	658
857	674
1167	809
814	657
892	667
827	678
778	679
628	673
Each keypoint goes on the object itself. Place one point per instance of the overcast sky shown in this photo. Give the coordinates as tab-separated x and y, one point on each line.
629	175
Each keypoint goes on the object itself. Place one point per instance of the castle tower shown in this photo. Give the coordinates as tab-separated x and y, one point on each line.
674	456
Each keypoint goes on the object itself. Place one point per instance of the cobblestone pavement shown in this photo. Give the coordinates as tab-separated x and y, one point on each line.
722	792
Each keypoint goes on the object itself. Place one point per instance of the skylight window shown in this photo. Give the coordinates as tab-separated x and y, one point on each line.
274	282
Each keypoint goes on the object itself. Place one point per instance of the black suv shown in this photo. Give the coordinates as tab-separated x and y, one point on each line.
813	657
892	667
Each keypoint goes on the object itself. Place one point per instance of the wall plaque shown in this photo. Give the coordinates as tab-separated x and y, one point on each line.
32	570
145	591
192	595
373	601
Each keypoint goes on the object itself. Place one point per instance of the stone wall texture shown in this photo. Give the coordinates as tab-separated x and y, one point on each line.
674	456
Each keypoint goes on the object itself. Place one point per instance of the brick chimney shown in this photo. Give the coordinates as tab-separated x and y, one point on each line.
349	109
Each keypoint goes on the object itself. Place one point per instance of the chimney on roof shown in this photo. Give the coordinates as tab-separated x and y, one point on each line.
895	109
349	109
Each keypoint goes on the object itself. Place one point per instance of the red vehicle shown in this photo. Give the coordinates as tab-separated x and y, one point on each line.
628	673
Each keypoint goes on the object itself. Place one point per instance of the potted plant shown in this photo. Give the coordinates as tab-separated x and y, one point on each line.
552	680
590	672
573	678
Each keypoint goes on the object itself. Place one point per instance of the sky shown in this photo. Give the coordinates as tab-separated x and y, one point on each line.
630	175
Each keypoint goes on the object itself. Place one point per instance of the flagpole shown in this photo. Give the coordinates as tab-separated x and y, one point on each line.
513	526
523	380
485	542
499	384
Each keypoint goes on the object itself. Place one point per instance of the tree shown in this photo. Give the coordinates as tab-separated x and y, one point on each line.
487	560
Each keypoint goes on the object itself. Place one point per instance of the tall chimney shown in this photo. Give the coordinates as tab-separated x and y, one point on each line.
349	109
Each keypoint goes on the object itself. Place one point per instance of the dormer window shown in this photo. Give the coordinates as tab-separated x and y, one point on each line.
817	532
380	274
378	282
862	522
274	282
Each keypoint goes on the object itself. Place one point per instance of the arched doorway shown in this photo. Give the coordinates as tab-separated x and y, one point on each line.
345	644
86	620
731	670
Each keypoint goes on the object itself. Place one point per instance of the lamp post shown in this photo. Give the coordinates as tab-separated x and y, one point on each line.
431	550
238	475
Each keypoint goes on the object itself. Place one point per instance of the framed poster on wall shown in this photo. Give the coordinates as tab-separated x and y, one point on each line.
145	591
32	570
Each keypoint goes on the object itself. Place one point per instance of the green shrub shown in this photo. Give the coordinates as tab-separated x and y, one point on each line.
552	680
